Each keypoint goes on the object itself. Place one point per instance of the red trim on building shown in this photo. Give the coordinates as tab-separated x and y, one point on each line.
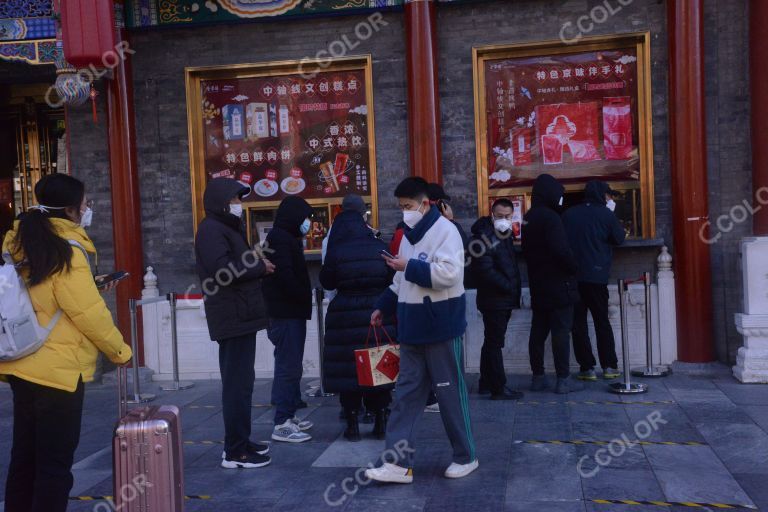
126	201
423	95
690	209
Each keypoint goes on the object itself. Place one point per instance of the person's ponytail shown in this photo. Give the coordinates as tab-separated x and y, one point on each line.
45	252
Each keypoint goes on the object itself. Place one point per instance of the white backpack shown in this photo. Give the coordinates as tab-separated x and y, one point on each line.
20	332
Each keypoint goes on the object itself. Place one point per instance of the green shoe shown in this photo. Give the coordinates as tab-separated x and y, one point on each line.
611	373
587	375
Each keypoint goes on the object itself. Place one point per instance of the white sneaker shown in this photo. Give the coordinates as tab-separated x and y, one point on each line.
461	470
390	473
289	432
432	408
302	424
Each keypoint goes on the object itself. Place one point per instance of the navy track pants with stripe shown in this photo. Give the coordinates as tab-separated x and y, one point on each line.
423	368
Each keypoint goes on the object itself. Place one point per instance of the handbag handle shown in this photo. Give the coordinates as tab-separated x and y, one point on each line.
376	335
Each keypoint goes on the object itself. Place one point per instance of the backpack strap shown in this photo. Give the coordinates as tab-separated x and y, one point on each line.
77	244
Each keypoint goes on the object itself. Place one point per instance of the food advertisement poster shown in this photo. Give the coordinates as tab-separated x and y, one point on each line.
287	135
572	115
285	128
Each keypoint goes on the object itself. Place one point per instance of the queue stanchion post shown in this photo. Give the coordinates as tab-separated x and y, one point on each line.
320	392
627	387
138	397
175	385
649	370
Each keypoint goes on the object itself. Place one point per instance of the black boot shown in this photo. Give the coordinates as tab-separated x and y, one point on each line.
353	427
380	424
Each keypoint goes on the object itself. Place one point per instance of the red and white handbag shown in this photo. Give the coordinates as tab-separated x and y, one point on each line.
379	365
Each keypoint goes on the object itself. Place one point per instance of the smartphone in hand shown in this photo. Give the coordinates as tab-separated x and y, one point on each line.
386	254
105	280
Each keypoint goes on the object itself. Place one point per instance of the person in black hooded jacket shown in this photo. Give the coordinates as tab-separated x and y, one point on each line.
230	273
494	266
593	230
552	281
354	267
289	303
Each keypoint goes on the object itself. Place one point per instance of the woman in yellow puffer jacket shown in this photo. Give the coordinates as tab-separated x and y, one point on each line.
48	385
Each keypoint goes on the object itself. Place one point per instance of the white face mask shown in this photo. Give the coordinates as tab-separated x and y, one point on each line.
502	225
86	218
305	226
560	203
611	204
236	210
412	217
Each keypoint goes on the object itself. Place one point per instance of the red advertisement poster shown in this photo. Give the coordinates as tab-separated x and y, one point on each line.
572	115
289	135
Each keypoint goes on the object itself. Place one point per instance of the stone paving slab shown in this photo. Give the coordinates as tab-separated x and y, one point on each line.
569	466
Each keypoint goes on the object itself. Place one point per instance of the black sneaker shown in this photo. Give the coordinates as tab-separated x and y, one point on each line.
257	448
246	461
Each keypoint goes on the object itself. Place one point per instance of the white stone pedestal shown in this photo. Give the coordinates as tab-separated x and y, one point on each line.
752	359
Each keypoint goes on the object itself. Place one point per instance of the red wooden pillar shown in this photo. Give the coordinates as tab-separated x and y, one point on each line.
126	203
689	181
758	74
423	96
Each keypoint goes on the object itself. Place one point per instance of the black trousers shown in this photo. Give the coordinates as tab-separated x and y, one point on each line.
236	359
373	399
594	298
46	432
492	373
558	322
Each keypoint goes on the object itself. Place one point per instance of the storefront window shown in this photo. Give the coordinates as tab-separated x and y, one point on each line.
283	129
576	111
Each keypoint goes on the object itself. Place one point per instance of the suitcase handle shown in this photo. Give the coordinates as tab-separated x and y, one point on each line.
122	391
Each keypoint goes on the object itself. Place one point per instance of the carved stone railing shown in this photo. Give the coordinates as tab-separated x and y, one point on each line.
198	355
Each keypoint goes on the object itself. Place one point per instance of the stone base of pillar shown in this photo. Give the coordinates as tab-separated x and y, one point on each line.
752	359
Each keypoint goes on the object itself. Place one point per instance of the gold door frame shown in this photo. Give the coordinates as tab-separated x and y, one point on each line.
641	42
195	75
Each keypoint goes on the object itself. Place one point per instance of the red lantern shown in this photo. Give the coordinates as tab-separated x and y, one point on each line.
88	32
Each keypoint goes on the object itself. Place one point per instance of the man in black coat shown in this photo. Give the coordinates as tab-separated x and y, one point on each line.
289	303
552	280
230	273
593	230
494	268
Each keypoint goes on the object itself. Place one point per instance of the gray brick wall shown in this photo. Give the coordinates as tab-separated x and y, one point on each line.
162	126
728	157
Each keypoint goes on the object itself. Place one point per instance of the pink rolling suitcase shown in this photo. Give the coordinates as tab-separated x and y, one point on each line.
147	457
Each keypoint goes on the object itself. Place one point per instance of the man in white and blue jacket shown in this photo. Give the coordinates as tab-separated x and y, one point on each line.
428	296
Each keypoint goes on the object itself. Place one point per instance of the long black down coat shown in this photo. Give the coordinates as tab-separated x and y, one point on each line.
234	305
551	265
354	267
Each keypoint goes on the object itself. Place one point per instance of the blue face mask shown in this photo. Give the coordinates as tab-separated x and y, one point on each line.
305	226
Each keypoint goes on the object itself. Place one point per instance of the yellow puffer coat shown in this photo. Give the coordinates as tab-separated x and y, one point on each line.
85	327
